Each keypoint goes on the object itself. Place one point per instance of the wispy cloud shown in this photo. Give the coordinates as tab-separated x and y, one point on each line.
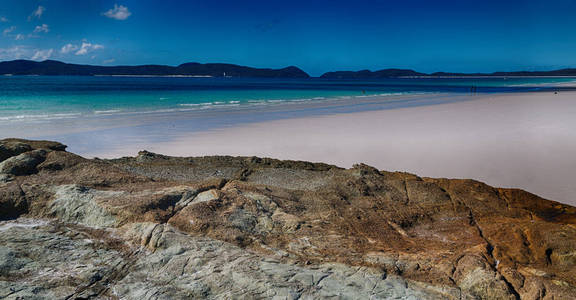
42	54
4	20
8	30
68	48
109	61
37	13
42	28
87	48
81	49
119	12
25	52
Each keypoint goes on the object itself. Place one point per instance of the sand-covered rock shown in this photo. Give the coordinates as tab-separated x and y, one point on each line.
159	227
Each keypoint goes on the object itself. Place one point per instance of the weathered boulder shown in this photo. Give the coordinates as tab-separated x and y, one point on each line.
34	144
13	147
23	164
8	150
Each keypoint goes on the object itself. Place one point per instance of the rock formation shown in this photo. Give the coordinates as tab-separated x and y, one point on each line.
158	227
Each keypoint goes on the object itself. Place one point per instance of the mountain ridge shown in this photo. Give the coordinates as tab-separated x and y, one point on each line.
395	73
55	68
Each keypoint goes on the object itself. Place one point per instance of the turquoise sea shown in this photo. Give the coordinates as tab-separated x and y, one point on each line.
33	98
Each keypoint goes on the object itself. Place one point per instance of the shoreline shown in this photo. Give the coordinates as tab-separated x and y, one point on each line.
518	140
39	116
522	141
223	115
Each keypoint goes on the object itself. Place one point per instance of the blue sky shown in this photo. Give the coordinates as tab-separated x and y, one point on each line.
317	36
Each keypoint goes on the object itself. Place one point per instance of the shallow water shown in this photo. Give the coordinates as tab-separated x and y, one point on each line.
37	98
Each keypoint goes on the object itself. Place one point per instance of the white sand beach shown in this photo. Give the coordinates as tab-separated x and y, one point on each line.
526	141
522	140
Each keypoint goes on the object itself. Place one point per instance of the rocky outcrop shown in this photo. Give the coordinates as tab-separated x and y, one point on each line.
23	164
14	147
154	226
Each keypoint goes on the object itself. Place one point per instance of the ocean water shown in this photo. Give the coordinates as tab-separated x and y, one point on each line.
33	98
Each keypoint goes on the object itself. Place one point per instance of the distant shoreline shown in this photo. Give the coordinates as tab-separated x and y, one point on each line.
146	75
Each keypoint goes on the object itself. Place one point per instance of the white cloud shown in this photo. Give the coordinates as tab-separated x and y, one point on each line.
88	47
4	20
8	30
37	13
42	28
82	49
42	54
119	12
19	37
68	48
109	61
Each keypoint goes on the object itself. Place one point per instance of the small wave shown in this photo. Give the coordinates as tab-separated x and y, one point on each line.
111	111
389	94
39	117
256	103
189	109
196	104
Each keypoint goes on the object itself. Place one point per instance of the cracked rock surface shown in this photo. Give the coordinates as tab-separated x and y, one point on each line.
158	227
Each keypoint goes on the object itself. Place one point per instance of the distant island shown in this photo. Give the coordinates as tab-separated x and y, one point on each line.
52	67
395	73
